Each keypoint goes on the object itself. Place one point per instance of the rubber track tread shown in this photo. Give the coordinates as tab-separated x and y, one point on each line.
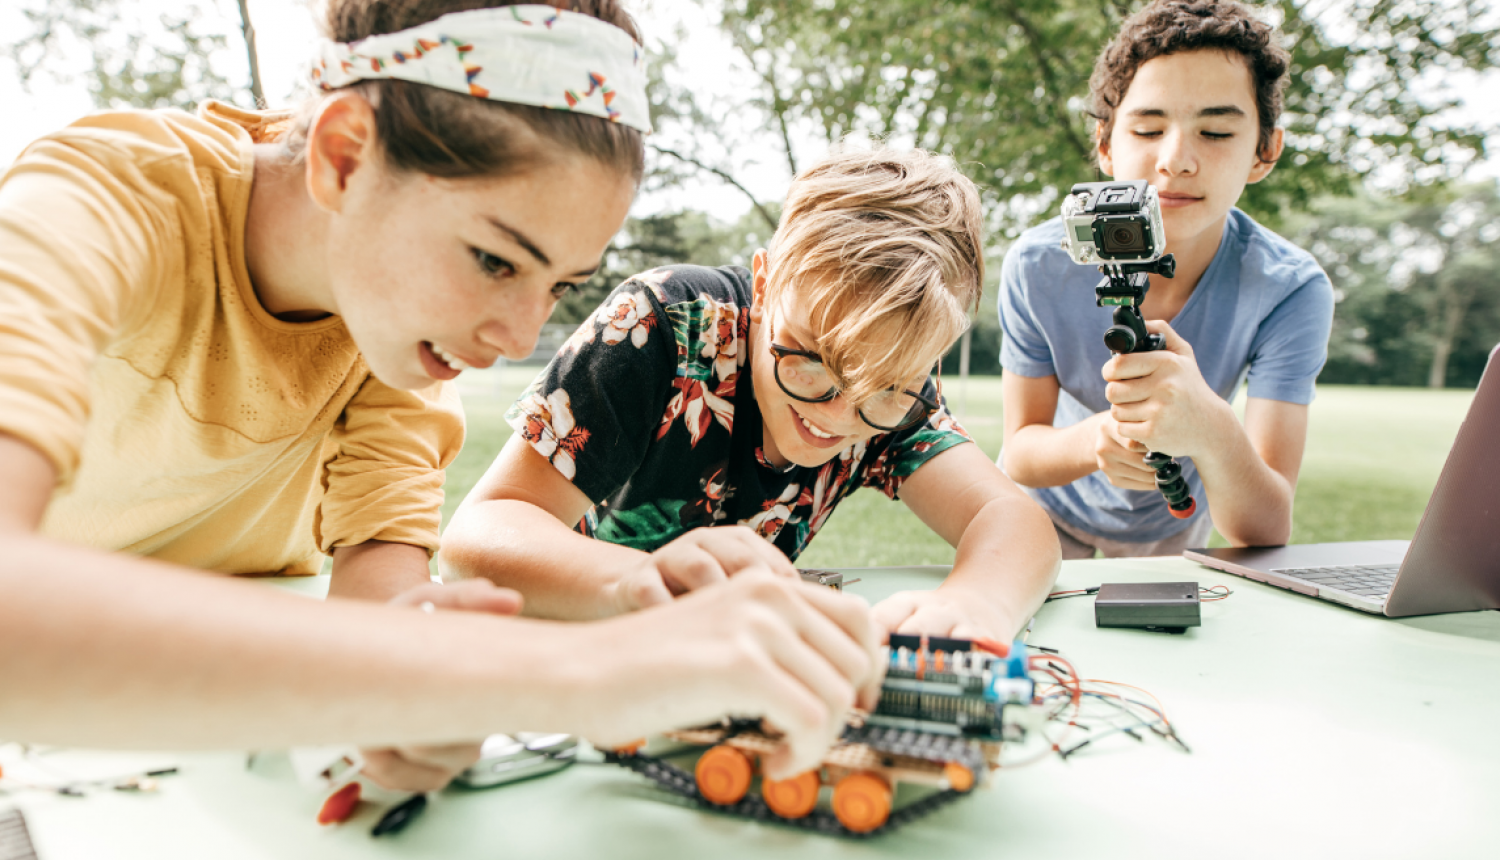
679	782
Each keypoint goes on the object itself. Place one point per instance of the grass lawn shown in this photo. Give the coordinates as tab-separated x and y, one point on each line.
1373	456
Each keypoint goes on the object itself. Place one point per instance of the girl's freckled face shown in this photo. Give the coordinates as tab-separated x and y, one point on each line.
470	267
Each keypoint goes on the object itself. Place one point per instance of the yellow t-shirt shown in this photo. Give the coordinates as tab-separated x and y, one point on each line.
187	423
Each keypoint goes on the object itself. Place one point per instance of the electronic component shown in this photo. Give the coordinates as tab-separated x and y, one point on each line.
333	770
507	758
400	816
948	686
946	707
327	767
831	578
339	806
1169	606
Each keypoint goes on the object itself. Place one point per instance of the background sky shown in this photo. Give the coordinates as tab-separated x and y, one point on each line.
285	34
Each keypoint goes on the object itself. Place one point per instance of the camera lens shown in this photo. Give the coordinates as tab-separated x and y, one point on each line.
1124	238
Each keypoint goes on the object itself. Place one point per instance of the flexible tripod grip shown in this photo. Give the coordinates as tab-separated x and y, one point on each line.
1124	287
1172	485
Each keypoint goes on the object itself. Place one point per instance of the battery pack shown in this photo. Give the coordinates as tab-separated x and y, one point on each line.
1168	606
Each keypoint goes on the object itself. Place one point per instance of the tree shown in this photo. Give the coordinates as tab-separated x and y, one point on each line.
1001	85
649	241
138	59
1418	284
688	147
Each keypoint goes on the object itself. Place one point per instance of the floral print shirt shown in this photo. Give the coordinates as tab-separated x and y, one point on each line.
644	410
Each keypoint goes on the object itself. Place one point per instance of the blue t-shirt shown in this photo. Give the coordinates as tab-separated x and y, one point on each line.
1263	309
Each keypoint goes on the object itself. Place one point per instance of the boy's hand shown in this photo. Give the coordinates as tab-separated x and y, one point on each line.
698	559
429	768
1161	400
947	611
799	656
1122	460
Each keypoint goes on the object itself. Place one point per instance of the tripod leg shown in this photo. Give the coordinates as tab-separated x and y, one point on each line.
1172	485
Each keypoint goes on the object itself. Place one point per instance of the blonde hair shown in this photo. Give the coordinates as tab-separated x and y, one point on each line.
882	249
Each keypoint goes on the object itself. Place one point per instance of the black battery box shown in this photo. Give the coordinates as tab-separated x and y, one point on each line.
1168	606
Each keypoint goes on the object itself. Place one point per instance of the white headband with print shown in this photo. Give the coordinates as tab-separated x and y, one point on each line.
531	55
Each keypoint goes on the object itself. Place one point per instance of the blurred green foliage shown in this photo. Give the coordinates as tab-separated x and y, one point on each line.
684	236
153	55
1002	86
1418	283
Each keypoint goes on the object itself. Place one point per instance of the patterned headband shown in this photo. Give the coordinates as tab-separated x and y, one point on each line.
530	55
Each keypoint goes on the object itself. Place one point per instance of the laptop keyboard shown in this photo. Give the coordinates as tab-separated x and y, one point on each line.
1372	581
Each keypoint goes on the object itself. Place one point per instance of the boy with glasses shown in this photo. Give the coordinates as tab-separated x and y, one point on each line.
755	401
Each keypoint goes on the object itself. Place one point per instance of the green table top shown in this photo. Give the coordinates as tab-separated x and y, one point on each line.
1314	729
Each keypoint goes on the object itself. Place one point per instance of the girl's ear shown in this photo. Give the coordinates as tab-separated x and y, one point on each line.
340	141
758	285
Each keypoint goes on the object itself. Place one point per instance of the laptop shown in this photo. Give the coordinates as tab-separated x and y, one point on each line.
1452	564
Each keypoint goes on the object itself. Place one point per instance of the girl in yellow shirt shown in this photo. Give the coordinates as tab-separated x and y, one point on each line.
224	343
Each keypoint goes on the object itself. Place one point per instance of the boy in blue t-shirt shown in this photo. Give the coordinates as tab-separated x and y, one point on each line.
1186	97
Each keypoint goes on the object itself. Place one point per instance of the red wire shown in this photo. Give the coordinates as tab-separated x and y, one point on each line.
1214	592
999	649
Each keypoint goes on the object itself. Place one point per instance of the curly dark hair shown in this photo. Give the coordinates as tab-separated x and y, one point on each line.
1173	26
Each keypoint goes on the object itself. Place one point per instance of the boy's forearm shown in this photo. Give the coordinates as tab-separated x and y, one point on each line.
561	573
1009	556
1040	455
105	650
1251	503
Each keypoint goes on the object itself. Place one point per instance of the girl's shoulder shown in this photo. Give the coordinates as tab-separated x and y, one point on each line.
163	166
217	138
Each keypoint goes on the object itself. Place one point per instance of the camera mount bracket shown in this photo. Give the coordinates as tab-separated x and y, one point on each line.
1124	288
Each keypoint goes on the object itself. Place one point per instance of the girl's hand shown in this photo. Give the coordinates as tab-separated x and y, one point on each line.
762	645
430	767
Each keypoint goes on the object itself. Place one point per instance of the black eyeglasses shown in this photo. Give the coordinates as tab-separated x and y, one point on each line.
802	375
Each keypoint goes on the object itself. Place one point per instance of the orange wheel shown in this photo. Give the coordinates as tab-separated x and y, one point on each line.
958	776
862	801
791	798
723	775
